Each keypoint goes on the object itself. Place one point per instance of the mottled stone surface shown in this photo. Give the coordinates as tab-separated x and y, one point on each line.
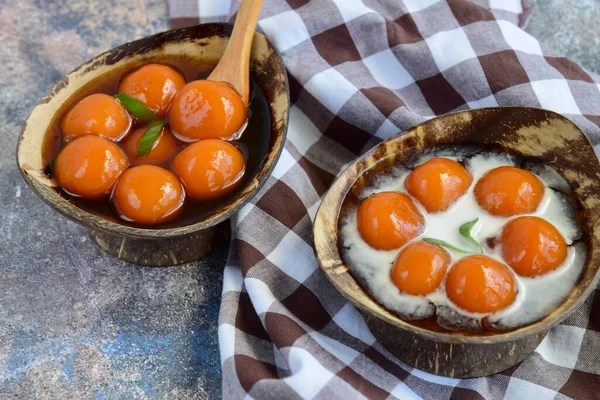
74	322
571	27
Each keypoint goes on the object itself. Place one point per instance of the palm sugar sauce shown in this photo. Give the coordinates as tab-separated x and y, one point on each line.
253	143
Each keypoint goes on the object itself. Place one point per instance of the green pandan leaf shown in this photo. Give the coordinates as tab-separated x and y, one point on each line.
445	244
465	231
147	141
136	108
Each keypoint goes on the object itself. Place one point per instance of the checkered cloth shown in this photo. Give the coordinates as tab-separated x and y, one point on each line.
360	72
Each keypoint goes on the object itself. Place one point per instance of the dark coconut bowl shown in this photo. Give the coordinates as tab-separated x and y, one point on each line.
527	132
145	246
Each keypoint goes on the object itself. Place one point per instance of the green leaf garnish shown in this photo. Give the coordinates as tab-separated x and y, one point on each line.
136	108
147	141
465	231
445	244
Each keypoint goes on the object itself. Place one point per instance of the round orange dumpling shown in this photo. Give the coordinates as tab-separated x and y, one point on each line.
437	183
148	195
205	109
163	149
154	85
420	268
480	284
532	246
507	191
89	166
209	168
387	220
96	114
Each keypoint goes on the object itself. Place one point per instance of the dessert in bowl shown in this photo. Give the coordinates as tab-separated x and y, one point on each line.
464	239
155	202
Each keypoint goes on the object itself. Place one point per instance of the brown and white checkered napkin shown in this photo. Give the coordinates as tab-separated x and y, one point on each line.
360	72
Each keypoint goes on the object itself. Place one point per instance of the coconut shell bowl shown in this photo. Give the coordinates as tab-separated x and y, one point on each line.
204	44
535	134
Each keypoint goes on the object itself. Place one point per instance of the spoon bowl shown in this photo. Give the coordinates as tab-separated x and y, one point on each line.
204	44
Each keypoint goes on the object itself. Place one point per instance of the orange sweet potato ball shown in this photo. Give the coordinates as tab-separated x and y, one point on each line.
97	114
507	191
480	284
148	195
154	85
387	220
89	166
438	183
209	168
532	246
420	268
206	110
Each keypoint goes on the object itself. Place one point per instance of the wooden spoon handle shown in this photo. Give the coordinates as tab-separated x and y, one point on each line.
234	66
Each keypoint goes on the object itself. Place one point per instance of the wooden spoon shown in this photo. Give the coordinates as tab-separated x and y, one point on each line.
234	66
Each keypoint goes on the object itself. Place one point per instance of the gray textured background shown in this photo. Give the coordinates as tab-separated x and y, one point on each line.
76	323
571	27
